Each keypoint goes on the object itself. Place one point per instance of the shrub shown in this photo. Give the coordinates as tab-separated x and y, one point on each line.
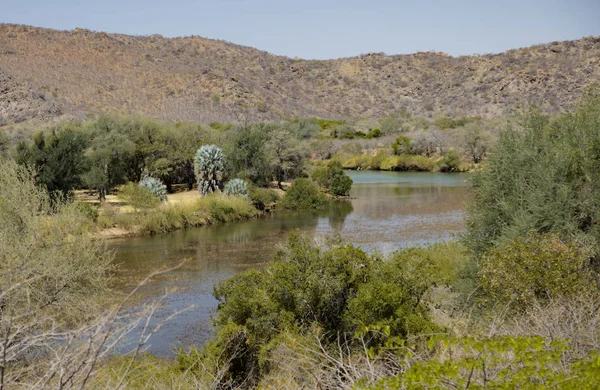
138	196
310	290
538	267
156	187
262	197
333	179
402	145
544	178
88	210
303	195
237	187
450	162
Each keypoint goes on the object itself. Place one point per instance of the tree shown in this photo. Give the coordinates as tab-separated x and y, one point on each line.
209	167
286	155
107	155
475	142
58	159
402	145
247	154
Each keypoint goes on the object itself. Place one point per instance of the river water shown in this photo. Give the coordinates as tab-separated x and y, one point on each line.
388	211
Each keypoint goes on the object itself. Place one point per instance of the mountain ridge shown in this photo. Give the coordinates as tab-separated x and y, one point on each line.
80	72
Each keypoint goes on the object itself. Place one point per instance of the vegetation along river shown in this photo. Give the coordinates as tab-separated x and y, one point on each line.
388	210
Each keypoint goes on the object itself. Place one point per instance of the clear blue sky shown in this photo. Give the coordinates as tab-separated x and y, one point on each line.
327	28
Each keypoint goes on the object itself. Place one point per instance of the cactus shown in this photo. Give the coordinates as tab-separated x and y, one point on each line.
209	167
155	186
237	187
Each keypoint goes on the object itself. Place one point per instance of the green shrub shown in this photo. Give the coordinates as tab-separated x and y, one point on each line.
543	177
450	162
138	196
303	195
88	210
402	145
536	268
333	179
262	197
309	290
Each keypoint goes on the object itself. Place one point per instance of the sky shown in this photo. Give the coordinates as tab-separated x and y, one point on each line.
321	29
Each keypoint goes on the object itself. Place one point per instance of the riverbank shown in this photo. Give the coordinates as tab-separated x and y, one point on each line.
402	163
182	210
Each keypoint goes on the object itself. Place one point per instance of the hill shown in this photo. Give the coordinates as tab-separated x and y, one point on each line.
45	72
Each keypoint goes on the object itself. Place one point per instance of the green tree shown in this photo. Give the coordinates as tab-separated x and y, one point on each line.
247	153
59	159
402	145
107	154
286	155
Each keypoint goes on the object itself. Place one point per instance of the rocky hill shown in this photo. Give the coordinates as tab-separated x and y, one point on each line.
46	72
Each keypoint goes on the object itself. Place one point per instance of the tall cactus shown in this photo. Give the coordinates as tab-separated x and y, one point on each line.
209	167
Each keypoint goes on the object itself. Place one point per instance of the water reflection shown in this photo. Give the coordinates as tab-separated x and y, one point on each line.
387	211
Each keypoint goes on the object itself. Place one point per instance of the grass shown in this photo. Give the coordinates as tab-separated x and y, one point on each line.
183	210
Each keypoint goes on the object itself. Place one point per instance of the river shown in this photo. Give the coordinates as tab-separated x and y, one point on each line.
388	211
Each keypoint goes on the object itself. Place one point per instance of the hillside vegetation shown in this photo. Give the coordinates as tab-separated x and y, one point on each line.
45	72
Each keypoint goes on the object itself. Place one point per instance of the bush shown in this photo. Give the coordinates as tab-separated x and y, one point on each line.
333	179
138	196
237	187
88	210
539	267
309	290
303	195
402	145
450	162
262	197
543	177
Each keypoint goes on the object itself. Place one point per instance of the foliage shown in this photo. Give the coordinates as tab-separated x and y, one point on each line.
303	194
138	196
333	179
538	267
209	167
402	145
107	154
58	159
338	288
475	143
262	197
247	153
52	277
286	155
155	186
544	178
450	162
501	362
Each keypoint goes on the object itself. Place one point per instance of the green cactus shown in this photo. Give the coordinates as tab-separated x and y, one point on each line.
155	186
237	187
209	167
